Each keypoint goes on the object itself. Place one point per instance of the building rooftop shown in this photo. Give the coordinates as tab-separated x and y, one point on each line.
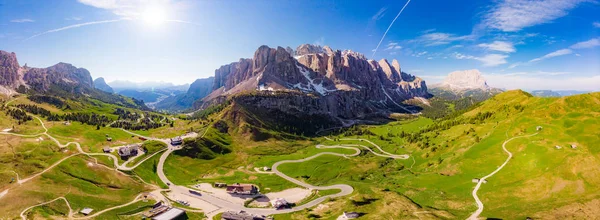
169	215
242	215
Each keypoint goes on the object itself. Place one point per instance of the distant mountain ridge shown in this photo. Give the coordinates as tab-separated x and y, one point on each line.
119	85
197	90
557	93
100	84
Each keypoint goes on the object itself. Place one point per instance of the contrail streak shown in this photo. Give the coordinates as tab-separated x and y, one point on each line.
388	29
75	26
99	22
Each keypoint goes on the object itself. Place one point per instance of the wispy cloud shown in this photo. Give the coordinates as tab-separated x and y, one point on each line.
379	14
514	15
439	38
22	20
557	53
123	8
393	46
74	26
596	24
487	60
320	41
594	42
502	46
587	44
419	54
74	18
428	31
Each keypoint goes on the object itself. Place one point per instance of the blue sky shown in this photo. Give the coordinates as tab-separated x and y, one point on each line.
552	44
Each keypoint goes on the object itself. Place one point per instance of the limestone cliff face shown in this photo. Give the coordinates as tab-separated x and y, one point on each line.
41	79
317	80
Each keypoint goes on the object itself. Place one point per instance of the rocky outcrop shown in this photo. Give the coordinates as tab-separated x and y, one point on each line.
100	84
315	80
9	69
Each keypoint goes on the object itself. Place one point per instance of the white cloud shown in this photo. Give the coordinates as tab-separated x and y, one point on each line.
553	54
487	60
419	54
320	41
587	44
74	19
492	59
393	46
594	42
438	38
502	46
515	65
128	8
543	80
428	31
23	20
379	14
514	15
596	24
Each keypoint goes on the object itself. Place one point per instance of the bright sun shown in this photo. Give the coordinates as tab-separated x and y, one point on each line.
154	16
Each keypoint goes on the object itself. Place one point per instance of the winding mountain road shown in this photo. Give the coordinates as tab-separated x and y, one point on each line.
224	205
476	214
220	204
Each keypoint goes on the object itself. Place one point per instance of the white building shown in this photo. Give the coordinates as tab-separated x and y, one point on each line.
86	211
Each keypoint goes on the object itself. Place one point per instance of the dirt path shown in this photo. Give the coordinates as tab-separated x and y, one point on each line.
476	214
45	203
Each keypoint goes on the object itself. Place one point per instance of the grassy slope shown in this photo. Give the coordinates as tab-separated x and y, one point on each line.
84	186
543	177
94	187
538	179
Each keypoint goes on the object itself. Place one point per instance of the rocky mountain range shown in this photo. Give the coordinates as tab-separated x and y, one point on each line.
316	81
13	76
62	79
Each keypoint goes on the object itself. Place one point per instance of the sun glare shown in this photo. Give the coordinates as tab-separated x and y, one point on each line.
154	16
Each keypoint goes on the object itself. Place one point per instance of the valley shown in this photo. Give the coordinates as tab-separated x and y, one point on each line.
414	162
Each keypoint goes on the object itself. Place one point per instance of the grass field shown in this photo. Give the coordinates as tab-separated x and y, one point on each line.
541	181
132	211
80	182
